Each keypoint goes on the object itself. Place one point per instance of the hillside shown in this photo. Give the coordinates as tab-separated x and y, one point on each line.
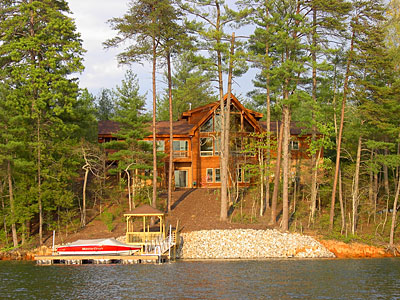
196	209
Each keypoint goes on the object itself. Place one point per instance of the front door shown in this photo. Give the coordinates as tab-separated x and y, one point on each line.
181	178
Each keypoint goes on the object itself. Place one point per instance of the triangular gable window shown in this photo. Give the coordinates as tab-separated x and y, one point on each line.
247	126
207	126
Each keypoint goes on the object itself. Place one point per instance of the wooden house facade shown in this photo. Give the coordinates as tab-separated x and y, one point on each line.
196	140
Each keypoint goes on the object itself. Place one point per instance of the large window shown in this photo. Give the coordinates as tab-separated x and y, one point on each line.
217	146
247	126
180	148
217	120
235	123
160	146
206	146
236	146
207	126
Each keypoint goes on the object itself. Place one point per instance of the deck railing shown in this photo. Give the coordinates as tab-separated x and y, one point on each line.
142	237
177	154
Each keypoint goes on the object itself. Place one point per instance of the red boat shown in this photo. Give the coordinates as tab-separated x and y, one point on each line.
98	247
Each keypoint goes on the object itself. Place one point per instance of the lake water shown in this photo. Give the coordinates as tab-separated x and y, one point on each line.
262	279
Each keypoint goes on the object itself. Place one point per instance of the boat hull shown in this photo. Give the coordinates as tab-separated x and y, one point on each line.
95	249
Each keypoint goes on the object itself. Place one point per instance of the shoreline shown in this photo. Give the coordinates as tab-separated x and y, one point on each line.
247	244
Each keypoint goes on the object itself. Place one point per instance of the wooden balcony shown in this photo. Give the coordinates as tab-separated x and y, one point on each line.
180	154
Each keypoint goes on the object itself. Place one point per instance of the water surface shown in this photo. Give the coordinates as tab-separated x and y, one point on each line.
263	279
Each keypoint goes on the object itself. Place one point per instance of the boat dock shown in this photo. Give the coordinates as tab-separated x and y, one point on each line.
155	246
101	259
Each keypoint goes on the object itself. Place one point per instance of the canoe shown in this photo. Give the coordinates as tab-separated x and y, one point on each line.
97	247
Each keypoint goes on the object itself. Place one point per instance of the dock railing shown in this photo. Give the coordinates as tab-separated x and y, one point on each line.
140	238
160	246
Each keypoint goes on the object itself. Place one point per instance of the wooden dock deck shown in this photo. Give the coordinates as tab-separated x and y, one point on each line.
100	259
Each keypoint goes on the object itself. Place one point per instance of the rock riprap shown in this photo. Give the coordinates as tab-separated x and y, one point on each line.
248	244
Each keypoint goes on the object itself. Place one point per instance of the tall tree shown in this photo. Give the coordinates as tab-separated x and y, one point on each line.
212	19
143	26
105	105
364	16
132	152
40	50
174	40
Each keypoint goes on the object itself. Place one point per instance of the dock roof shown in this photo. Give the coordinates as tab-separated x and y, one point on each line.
144	210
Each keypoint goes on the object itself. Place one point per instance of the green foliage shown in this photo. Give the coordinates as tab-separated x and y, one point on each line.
108	219
243	218
40	51
105	106
191	87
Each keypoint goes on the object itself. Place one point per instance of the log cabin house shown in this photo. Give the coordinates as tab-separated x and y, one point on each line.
196	139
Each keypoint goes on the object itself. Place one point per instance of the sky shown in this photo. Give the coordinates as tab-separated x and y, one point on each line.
101	66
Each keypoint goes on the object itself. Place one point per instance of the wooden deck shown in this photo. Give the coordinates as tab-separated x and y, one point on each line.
100	259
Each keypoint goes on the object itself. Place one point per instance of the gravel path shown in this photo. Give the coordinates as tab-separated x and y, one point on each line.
249	243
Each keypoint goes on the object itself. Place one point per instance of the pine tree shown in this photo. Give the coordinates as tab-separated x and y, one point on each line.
105	105
40	50
143	24
191	87
133	153
212	19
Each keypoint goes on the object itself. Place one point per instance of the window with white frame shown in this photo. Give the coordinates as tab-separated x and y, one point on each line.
217	175
180	148
294	145
160	146
209	175
206	146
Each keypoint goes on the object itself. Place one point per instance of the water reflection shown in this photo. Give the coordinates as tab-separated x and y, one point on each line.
269	279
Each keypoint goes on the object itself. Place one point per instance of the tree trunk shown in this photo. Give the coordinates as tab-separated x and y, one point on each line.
4	215
261	167
224	151
342	211
371	182
394	213
224	214
39	174
154	198
339	138
171	136
356	187
272	221
12	206
129	187
386	176
285	166
83	217
268	158
314	162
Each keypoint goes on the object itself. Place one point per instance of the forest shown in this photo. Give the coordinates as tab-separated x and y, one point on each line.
330	65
